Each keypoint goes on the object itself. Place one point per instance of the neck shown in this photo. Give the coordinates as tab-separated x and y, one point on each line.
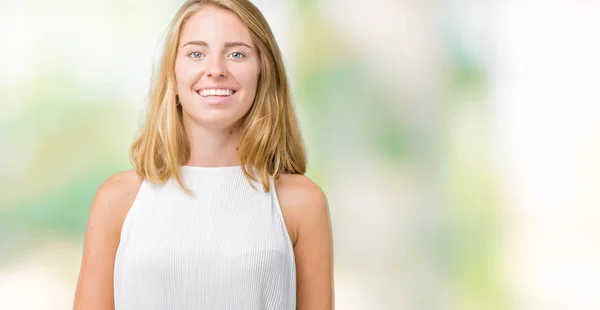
213	147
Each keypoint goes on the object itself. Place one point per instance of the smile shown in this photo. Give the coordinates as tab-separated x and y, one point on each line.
220	92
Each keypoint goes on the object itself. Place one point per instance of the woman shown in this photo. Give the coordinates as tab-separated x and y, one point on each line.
217	213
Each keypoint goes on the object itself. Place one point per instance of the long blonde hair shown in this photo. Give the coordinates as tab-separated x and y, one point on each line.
270	142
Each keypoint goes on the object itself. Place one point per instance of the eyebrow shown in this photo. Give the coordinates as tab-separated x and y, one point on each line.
227	44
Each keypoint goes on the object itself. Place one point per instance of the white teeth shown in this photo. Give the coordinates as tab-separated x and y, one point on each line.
215	92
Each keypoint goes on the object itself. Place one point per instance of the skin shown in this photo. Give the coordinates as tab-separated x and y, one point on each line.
212	132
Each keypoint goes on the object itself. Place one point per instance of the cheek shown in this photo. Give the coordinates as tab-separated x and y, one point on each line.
250	77
183	74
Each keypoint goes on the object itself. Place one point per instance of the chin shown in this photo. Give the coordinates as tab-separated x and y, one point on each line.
214	120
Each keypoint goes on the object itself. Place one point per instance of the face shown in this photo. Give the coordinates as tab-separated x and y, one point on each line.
216	69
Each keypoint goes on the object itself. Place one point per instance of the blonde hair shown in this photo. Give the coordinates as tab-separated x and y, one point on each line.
270	142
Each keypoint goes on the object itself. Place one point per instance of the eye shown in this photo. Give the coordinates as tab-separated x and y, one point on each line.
237	55
195	54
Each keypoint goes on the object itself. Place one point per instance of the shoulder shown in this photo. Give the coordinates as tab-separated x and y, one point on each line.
116	194
302	201
299	191
118	184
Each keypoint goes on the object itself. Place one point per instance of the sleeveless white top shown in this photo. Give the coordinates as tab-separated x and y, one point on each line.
225	247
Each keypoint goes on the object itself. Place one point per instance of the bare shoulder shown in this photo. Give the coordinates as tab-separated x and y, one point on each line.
296	190
302	202
109	208
114	197
113	200
119	186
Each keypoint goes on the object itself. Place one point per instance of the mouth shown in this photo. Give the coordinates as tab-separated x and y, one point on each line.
216	92
216	95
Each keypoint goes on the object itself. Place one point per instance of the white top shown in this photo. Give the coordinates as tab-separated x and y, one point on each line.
226	247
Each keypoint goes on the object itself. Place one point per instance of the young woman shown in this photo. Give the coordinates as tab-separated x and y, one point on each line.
217	213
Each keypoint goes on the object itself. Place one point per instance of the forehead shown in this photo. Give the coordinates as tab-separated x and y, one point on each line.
215	25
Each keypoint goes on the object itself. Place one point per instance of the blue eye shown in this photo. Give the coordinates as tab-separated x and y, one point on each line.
237	55
195	54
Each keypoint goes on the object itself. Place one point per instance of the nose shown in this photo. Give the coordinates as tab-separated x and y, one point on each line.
216	68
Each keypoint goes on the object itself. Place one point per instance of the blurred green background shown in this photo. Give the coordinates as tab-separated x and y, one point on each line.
458	142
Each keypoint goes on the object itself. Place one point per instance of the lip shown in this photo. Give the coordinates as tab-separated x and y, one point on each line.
235	89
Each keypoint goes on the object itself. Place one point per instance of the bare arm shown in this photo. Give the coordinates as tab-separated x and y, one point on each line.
307	213
110	206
